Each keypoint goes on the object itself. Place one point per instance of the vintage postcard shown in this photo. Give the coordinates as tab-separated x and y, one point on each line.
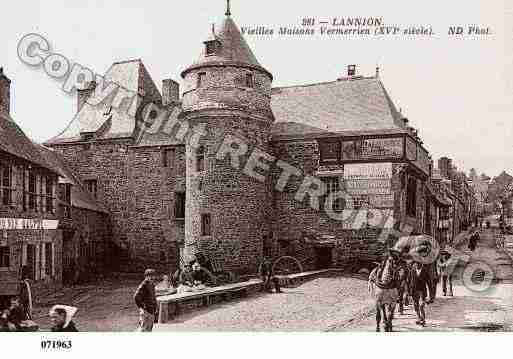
254	166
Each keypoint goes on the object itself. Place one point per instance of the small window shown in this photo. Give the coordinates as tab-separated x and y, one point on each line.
180	205
333	186
5	257
5	185
249	81
206	223
200	159
49	194
411	197
330	152
48	259
92	186
168	157
87	136
210	47
32	191
201	79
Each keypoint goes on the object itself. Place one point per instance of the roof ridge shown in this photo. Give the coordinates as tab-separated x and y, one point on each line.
326	82
126	61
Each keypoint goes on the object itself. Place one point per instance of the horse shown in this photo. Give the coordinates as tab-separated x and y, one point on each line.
383	282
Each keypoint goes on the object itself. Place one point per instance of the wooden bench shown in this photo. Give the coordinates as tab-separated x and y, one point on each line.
170	305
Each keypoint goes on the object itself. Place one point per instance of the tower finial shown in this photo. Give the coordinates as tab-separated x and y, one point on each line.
377	70
228	12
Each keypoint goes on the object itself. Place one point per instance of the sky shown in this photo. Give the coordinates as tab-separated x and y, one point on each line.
457	91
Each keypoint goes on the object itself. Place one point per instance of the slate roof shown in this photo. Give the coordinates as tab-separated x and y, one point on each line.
80	197
14	141
233	50
360	105
111	123
159	134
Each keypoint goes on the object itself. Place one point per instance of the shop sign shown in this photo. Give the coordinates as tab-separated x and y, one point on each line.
368	171
368	178
27	223
372	148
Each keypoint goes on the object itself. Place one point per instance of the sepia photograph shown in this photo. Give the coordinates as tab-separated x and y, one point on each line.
274	168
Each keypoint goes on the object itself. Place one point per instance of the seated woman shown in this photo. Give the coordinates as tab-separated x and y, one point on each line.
186	281
199	276
16	314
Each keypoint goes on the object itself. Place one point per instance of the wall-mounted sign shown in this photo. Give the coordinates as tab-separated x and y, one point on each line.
368	179
382	201
27	223
368	170
372	148
411	149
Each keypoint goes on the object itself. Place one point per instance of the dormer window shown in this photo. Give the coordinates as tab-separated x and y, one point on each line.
87	136
249	80
210	47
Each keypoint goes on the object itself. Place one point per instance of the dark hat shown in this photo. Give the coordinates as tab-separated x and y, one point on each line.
149	272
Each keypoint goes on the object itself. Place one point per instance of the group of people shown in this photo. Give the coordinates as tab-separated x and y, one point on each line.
194	276
16	315
409	280
472	242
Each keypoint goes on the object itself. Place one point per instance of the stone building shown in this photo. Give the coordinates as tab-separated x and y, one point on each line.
37	207
225	193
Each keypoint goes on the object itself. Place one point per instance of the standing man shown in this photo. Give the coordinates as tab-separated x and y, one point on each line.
146	301
419	283
266	272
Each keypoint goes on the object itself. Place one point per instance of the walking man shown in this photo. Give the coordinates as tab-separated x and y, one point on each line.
445	272
419	283
146	301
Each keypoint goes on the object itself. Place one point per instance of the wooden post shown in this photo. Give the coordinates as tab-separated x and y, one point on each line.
163	312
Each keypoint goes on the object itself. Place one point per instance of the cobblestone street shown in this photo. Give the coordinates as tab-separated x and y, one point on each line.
337	303
467	310
320	304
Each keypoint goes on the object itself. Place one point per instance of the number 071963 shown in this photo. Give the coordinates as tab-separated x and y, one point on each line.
55	344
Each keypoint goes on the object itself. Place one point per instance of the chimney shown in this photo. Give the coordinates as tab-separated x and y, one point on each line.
5	92
445	167
170	92
351	70
84	93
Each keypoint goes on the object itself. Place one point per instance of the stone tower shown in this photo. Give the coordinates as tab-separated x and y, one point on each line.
228	92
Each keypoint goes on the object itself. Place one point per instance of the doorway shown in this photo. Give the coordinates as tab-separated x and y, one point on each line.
324	257
31	261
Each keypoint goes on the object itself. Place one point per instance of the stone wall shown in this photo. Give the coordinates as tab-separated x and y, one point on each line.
138	192
294	220
238	204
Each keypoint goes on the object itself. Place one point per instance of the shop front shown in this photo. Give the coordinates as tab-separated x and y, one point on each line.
33	243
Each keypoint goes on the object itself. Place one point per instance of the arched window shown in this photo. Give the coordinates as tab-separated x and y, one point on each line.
200	159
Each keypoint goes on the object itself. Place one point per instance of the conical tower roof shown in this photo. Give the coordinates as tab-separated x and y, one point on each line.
233	50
